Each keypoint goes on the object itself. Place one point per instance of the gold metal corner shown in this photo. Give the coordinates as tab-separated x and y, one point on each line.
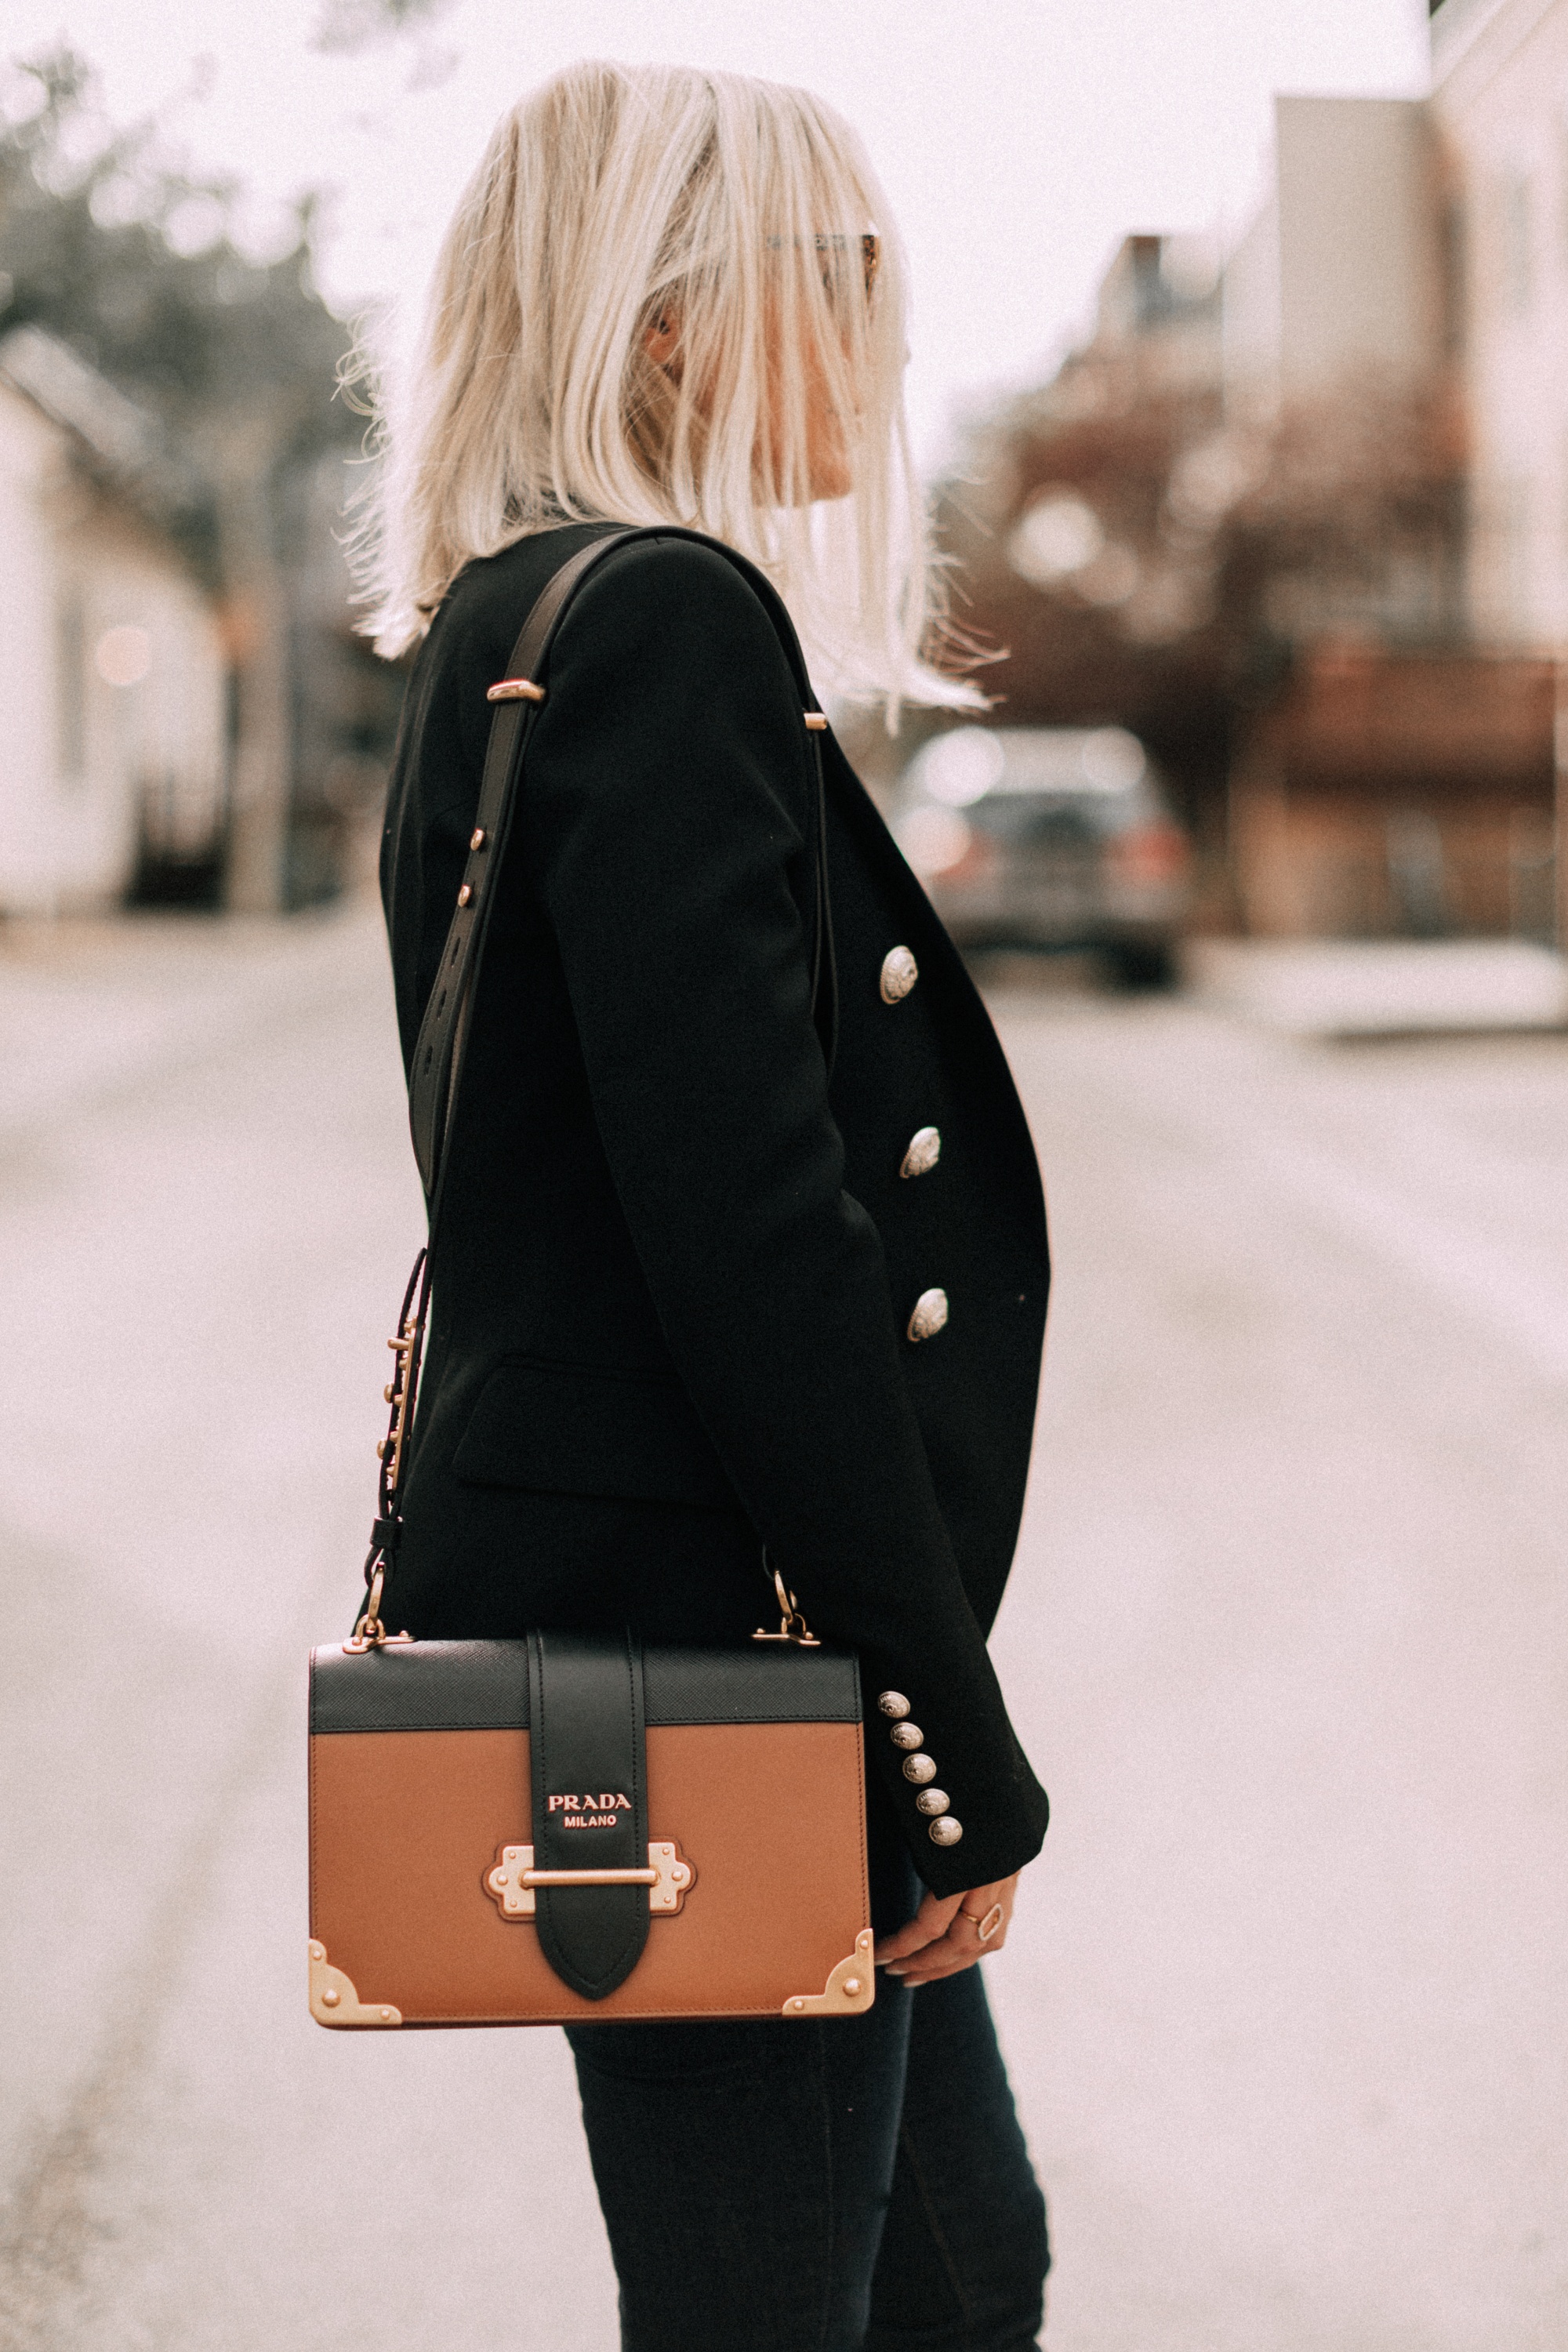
334	2001
850	1989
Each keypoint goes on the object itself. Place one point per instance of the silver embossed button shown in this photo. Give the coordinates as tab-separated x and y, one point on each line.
893	1705
900	973
929	1315
946	1831
906	1735
920	1770
933	1800
924	1151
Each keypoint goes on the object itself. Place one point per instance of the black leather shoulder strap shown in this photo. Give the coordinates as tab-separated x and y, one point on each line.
439	1049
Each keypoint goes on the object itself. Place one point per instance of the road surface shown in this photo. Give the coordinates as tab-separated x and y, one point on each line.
1286	1638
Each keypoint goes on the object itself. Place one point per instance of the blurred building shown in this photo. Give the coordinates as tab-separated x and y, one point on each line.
1499	76
112	669
1159	305
1303	526
1404	781
1339	281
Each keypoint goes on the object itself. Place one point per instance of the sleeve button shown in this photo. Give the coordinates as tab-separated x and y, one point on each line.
900	973
920	1770
924	1151
933	1800
906	1735
893	1705
929	1315
946	1831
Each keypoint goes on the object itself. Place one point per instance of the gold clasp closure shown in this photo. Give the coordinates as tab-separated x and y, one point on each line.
793	1626
668	1879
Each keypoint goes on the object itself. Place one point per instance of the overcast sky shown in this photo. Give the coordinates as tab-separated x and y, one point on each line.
1018	140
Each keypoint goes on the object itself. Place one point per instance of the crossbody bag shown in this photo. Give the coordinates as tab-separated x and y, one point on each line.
572	1828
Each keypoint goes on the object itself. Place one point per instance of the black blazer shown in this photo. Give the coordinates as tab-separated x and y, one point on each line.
676	1268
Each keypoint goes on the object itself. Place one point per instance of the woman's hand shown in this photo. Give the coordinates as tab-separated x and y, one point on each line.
944	1935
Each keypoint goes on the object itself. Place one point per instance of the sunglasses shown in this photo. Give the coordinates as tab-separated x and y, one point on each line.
835	249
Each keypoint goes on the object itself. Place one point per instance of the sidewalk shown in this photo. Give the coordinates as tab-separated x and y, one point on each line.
92	1012
1382	988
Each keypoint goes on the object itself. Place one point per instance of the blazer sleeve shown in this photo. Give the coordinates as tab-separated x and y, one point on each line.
664	813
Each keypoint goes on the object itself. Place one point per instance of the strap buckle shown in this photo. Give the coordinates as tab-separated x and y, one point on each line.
793	1626
370	1634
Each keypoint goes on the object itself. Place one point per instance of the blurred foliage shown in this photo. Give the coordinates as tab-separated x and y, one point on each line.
346	27
111	247
118	252
1128	548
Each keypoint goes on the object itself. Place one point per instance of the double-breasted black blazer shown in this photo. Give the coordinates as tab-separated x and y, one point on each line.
676	1267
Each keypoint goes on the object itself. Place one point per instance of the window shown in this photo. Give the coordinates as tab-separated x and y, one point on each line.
70	686
1515	256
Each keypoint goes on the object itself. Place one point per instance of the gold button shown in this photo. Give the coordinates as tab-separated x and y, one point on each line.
946	1831
924	1151
929	1315
894	1706
906	1735
933	1800
900	973
920	1770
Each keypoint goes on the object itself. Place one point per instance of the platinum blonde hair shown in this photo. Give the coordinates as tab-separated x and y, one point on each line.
610	199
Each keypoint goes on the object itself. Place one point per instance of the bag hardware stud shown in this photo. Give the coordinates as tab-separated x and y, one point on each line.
464	894
515	689
478	837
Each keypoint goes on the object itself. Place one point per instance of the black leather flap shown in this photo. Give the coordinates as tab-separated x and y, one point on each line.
562	1429
590	1803
483	1686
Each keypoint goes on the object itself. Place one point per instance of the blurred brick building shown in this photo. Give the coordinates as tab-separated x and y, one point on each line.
1301	520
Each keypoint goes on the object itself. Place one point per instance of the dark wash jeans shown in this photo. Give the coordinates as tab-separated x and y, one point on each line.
818	2188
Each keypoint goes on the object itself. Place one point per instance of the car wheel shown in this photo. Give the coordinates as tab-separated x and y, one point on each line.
1150	964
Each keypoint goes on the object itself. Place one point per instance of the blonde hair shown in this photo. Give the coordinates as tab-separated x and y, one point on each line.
612	196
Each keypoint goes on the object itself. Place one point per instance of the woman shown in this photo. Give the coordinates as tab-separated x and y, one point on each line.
691	1297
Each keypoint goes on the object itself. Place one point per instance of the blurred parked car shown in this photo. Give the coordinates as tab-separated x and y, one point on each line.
1049	838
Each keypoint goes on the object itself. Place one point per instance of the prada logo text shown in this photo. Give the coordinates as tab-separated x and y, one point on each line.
587	1812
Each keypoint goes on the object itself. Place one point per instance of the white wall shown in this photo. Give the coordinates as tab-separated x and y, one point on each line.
1339	277
31	455
77	751
1500	99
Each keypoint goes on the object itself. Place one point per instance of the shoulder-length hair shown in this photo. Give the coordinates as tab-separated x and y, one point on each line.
611	200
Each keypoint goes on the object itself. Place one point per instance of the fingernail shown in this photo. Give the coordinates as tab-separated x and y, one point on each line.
888	1969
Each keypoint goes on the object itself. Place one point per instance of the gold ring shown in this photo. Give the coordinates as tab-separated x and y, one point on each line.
985	1928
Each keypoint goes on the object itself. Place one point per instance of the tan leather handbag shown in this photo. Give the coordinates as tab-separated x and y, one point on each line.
573	1828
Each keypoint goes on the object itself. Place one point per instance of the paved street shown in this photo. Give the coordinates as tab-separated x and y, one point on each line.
1286	1638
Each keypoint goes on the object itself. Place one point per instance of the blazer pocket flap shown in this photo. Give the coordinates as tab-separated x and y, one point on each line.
561	1429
